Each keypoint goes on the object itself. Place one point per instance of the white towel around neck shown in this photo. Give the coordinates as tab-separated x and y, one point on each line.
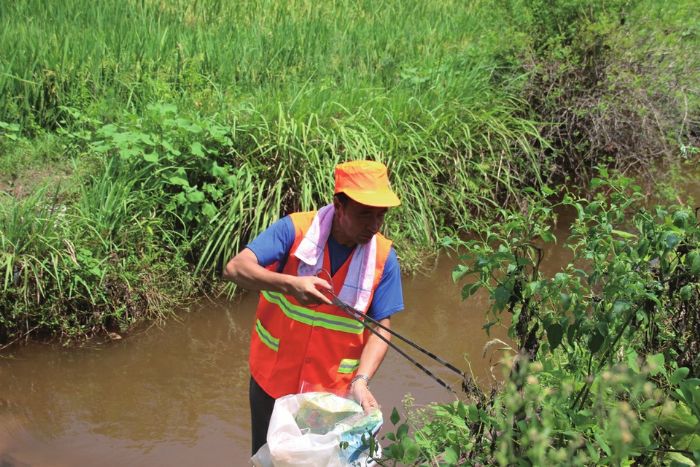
357	288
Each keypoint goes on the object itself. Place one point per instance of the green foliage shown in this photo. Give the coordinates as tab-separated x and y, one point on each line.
530	422
608	84
172	155
210	186
206	121
223	56
100	264
607	365
222	184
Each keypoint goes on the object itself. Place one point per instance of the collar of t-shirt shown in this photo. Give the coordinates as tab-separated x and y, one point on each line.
339	253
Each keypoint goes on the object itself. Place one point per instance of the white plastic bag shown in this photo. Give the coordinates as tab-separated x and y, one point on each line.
318	429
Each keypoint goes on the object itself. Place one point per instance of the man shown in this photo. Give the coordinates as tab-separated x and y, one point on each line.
300	341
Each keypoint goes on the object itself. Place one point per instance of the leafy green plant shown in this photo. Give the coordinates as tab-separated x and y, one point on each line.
601	369
599	70
93	266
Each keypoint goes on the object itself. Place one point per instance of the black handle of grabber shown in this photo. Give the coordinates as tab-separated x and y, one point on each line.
357	314
354	313
404	354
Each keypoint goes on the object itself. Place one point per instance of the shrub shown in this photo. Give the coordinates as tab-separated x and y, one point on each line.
605	361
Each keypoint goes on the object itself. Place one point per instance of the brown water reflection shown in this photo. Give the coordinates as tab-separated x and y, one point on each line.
170	396
177	395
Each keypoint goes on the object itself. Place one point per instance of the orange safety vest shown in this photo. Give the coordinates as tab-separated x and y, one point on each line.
297	348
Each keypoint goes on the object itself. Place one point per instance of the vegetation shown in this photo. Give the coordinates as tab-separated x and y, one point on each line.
200	123
606	369
218	141
144	142
611	85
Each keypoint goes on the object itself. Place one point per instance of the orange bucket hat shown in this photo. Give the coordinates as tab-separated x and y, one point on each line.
366	182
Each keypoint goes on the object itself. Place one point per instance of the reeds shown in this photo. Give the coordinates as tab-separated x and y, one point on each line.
301	86
256	53
286	165
101	263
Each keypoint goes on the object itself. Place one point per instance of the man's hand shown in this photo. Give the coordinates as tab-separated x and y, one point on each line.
307	290
245	271
361	393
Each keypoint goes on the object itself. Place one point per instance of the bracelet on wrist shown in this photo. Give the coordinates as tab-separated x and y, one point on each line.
359	377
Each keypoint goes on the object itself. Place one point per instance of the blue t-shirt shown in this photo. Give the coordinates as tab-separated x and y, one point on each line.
274	244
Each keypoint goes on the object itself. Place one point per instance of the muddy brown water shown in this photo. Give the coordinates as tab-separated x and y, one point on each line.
177	395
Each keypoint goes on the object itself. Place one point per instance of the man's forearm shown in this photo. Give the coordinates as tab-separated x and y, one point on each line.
374	351
247	273
372	356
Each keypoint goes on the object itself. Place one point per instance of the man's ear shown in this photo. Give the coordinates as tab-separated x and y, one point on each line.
336	203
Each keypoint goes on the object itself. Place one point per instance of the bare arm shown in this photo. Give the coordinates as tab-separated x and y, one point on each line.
372	355
244	270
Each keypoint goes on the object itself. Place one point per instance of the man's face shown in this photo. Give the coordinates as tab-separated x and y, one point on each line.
357	222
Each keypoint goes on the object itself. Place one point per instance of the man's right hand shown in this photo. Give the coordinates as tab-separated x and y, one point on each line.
307	290
245	271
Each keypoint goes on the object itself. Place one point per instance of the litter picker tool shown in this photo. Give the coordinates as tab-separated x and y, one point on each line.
364	319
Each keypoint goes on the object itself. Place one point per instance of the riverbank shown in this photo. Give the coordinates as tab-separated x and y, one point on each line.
141	159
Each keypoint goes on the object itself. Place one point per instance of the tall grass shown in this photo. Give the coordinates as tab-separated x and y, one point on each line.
446	166
210	119
102	263
259	52
30	244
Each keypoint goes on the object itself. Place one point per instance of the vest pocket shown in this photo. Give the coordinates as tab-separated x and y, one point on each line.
265	337
348	365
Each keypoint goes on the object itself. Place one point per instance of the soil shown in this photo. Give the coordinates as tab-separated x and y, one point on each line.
21	185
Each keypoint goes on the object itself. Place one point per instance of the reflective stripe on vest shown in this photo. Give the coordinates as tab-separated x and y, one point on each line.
348	365
311	317
266	338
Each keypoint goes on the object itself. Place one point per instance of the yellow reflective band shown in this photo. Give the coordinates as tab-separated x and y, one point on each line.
266	337
313	318
348	365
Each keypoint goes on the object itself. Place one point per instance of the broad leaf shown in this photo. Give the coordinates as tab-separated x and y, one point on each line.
150	157
502	296
460	271
394	417
620	306
656	364
677	421
565	301
555	332
596	342
547	236
209	210
679	375
195	196
689	442
402	431
451	456
197	149
694	262
671	239
179	181
469	289
410	450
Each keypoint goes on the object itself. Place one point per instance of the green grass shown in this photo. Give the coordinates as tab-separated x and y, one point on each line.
100	263
330	56
179	129
153	138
